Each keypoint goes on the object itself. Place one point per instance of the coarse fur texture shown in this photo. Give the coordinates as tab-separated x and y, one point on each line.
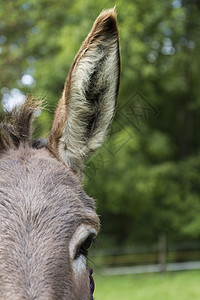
87	106
41	204
45	216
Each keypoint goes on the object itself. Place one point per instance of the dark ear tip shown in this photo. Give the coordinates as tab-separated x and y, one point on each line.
106	22
108	14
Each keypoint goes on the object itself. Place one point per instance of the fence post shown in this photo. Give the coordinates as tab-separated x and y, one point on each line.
162	252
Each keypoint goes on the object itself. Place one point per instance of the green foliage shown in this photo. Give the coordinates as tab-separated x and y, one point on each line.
153	195
146	176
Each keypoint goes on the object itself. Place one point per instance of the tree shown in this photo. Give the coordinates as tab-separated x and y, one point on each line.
149	166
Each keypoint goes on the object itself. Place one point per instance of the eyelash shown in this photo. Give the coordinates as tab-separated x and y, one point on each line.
84	247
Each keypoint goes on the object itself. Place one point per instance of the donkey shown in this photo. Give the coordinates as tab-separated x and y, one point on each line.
47	222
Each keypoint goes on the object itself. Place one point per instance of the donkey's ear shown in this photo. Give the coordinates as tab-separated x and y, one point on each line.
87	106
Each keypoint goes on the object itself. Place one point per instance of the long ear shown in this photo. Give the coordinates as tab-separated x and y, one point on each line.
87	106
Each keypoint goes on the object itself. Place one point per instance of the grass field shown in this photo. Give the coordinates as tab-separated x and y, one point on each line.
168	286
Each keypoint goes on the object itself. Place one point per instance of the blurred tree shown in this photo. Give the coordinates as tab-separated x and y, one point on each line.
146	176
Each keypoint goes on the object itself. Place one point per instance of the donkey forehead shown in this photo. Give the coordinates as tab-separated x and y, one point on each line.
37	188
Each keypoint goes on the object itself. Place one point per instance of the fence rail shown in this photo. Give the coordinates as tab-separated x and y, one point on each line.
145	259
195	265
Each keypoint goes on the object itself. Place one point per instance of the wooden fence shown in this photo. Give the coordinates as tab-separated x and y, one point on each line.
159	257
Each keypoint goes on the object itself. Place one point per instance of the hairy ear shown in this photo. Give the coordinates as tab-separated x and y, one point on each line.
87	106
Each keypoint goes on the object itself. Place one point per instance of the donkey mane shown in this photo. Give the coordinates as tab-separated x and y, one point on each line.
16	126
47	221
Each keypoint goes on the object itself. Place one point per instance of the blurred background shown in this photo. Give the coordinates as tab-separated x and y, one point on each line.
146	176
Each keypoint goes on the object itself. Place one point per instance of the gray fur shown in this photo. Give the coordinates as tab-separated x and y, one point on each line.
41	205
44	212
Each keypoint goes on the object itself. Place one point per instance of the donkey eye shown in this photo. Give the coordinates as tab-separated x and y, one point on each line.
84	247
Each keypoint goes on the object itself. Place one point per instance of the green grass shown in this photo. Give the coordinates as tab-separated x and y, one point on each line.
168	286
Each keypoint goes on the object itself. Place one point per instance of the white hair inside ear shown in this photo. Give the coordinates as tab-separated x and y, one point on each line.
88	103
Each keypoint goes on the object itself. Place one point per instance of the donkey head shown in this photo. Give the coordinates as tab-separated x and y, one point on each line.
47	222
